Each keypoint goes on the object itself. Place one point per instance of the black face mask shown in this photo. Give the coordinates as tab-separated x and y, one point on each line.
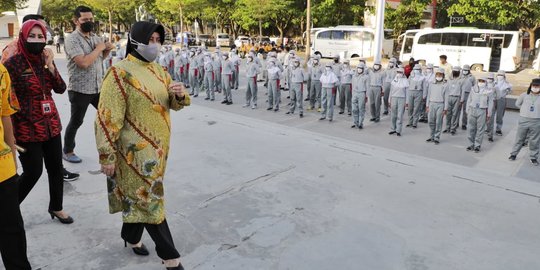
35	48
455	73
336	61
87	27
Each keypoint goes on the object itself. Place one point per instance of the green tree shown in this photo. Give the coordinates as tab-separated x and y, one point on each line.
12	5
525	14
59	13
407	15
337	12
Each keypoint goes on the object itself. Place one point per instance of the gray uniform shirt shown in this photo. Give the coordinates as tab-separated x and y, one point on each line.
376	78
346	75
360	83
227	67
316	72
436	92
83	80
529	105
252	69
298	75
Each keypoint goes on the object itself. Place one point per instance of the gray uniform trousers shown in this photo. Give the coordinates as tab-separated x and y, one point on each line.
217	81
194	82
491	122
359	107
328	99
415	104
528	129
226	80
208	84
386	97
435	119
501	108
274	94
235	77
476	126
345	96
452	117
251	91
423	114
308	84
297	96
464	117
315	94
398	109
375	101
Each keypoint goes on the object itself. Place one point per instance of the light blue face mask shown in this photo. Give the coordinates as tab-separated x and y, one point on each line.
149	52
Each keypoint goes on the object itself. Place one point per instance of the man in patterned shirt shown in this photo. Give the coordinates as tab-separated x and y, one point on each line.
85	52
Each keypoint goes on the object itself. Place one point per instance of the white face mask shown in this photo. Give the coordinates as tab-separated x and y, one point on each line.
417	72
148	52
438	78
481	84
376	67
429	71
399	75
315	62
250	59
535	90
465	72
500	78
360	70
390	65
328	69
296	64
224	57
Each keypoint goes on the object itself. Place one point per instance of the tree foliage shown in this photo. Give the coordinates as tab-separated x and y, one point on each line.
406	16
11	5
338	12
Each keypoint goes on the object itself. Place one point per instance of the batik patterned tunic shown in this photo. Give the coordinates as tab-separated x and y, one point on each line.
133	131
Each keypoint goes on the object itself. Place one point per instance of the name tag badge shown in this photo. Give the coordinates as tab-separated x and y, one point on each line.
46	107
532	109
477	105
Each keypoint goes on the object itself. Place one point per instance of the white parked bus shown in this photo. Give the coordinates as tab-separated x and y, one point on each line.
482	49
351	41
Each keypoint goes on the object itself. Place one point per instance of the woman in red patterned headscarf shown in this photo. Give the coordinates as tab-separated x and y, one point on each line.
37	125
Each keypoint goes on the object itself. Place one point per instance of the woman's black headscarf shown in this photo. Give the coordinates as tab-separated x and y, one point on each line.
141	32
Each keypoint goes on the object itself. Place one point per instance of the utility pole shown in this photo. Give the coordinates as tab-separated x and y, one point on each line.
379	30
433	13
308	28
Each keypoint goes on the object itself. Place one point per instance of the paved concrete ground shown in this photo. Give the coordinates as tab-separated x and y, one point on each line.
251	189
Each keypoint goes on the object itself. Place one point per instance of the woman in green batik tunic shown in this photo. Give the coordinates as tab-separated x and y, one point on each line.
133	131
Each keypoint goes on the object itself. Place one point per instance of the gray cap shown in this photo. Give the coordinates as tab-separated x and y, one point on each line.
226	54
377	63
417	67
466	67
429	66
292	52
400	70
393	60
501	72
490	75
439	70
328	65
456	68
361	65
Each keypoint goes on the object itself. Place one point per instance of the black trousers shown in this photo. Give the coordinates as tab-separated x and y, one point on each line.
32	164
160	233
79	105
12	234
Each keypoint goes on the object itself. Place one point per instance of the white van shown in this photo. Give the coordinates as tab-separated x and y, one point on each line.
223	40
350	41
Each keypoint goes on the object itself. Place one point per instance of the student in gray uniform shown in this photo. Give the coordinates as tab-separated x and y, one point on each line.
478	110
274	76
184	70
315	73
216	63
503	88
177	65
417	92
389	75
252	69
398	100
309	65
529	122
329	82
235	59
227	68
194	74
345	95
336	68
493	104
455	98
429	76
297	80
208	80
360	84
469	82
437	105
376	79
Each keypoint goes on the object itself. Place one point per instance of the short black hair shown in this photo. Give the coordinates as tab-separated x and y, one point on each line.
443	57
36	17
81	9
534	81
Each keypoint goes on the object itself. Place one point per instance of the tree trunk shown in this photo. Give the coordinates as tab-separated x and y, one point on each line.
110	25
280	34
308	28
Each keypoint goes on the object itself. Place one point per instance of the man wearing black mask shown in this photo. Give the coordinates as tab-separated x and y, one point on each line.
85	52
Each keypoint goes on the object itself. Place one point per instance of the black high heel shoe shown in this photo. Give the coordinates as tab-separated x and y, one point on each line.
142	251
178	267
67	220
